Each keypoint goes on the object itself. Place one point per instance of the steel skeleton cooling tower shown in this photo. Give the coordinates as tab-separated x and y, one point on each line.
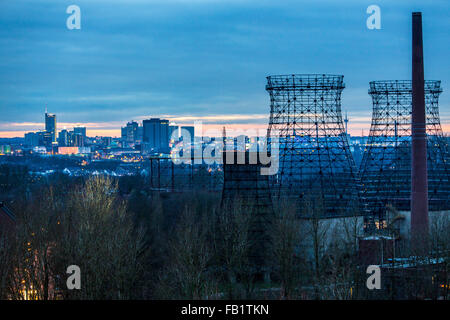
386	165
315	161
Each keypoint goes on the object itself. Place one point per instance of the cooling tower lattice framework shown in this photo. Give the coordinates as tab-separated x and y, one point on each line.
386	165
314	155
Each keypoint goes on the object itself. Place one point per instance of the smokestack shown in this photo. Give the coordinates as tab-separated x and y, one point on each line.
419	175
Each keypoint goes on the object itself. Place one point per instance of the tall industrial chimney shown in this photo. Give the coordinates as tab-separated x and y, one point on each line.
419	176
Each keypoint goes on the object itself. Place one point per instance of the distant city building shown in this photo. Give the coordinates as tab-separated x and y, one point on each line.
123	134
156	135
67	150
106	141
63	138
188	130
50	129
240	143
47	138
140	135
34	139
74	150
5	149
77	140
81	131
174	133
71	139
40	149
131	132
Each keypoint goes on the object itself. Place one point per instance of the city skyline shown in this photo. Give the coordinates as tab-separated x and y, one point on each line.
197	60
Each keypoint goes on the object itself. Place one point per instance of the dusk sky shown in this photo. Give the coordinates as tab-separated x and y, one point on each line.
207	60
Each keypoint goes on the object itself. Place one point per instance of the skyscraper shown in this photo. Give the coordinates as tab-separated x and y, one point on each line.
77	140
156	135
140	134
81	131
50	129
131	133
63	138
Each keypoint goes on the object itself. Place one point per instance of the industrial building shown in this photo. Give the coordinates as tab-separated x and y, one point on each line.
245	186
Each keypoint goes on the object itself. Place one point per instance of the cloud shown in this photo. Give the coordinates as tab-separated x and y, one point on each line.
203	59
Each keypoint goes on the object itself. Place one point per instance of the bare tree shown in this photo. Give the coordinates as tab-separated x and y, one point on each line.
97	234
6	262
33	239
187	274
288	242
341	266
317	229
232	245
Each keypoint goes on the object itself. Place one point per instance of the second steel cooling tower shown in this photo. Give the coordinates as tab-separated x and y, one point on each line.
386	166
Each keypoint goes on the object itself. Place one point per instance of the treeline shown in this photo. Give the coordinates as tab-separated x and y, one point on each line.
133	243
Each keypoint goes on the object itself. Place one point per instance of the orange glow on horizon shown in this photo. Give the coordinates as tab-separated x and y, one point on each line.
210	129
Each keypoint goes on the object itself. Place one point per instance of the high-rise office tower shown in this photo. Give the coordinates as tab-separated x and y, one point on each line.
164	142
81	131
131	133
139	135
156	134
77	139
123	134
63	138
50	129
